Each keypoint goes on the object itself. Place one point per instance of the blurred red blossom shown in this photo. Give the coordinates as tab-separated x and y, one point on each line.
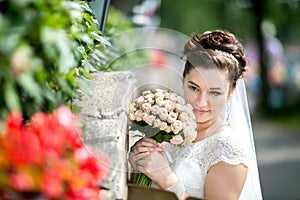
46	156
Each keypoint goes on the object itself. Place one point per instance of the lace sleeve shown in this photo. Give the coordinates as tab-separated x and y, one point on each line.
229	148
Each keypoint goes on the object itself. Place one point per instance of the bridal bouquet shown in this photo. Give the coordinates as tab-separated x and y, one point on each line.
45	158
165	117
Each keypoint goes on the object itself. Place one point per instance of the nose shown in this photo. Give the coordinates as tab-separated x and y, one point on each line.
202	100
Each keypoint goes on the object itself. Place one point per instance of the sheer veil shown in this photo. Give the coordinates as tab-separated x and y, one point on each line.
239	119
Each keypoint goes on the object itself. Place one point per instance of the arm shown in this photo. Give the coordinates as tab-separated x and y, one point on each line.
225	181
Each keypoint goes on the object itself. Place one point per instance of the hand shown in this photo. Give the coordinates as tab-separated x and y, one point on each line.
147	156
142	148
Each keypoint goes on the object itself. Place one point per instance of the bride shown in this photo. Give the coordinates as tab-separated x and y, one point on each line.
221	162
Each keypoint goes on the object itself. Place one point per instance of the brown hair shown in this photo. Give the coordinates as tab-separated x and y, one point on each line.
216	48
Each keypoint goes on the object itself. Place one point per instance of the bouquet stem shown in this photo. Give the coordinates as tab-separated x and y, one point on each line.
143	180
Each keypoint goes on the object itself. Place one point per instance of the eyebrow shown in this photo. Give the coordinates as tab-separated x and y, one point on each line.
213	88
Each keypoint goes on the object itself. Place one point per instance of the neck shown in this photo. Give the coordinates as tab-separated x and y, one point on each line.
208	128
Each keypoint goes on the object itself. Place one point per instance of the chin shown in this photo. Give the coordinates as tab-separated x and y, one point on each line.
202	119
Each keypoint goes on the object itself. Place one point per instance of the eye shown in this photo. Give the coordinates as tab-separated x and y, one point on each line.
193	88
214	93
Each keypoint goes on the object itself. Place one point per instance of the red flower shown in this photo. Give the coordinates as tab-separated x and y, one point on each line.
52	185
21	181
46	155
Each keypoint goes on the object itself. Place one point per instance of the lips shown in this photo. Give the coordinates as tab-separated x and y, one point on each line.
201	111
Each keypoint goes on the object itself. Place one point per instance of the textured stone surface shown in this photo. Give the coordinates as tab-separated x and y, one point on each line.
103	110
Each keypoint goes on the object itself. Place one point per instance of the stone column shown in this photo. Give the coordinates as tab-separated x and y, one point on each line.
103	110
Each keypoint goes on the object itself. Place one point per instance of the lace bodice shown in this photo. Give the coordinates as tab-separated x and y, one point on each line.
192	162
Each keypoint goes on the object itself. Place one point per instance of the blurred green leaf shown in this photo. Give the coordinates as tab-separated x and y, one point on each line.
11	97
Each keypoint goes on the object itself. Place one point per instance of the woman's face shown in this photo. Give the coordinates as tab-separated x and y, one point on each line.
207	90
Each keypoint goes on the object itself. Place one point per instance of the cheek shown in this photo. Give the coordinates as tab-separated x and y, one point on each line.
189	97
218	103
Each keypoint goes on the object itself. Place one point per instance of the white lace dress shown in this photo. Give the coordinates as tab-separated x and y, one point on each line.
192	162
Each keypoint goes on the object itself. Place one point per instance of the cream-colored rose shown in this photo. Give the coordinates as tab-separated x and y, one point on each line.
156	123
169	105
159	95
150	119
146	92
138	115
163	125
163	113
159	101
132	108
168	129
155	109
167	95
149	98
173	97
176	126
178	108
177	140
181	100
157	90
131	116
146	107
139	101
183	116
144	116
171	118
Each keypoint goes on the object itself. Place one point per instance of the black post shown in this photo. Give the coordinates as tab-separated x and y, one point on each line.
100	8
258	9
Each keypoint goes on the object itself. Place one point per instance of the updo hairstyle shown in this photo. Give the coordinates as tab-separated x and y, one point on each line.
219	49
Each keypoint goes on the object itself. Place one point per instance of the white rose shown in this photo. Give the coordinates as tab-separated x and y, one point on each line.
172	117
183	117
155	109
173	97
149	98
169	105
180	100
163	126
144	116
159	101
159	95
139	101
157	90
168	129
156	123
176	126
132	108
131	116
177	140
144	93
150	119
163	113
167	95
138	115
146	107
178	108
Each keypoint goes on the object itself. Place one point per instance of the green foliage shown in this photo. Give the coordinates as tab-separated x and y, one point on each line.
44	47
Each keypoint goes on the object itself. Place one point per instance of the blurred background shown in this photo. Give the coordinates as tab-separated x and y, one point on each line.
270	30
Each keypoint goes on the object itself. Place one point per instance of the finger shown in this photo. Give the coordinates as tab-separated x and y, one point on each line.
144	149
144	145
141	156
152	141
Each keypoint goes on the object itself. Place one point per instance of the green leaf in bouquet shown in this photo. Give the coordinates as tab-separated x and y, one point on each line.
145	128
162	136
